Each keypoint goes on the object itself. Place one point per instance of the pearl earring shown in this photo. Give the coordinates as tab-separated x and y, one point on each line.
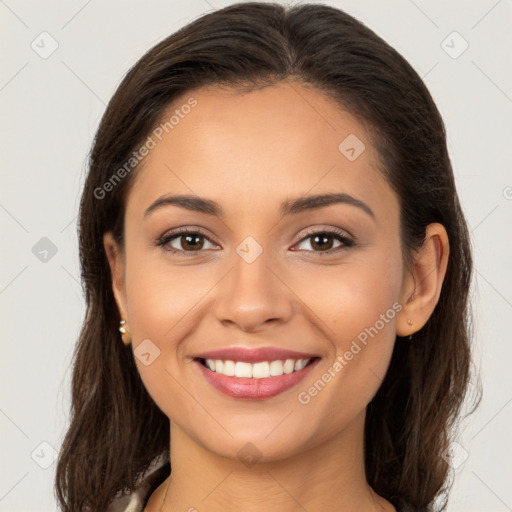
124	332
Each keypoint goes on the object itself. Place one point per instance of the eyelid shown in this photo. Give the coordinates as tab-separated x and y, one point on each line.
341	235
329	230
172	234
344	237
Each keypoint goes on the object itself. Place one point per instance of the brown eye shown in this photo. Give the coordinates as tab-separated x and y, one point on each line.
191	242
323	241
184	242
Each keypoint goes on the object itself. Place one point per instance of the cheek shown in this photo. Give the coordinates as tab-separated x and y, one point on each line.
164	305
352	296
355	308
157	316
162	297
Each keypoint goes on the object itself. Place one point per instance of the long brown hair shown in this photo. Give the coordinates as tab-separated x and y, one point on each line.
116	429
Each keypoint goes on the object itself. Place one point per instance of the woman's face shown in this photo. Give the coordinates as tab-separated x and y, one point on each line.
254	277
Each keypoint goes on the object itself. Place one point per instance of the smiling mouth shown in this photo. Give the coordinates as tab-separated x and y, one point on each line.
259	370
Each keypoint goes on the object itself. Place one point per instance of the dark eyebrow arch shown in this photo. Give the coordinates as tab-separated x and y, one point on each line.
299	205
193	203
306	203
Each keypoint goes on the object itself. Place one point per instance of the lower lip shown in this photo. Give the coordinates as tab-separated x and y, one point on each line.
254	389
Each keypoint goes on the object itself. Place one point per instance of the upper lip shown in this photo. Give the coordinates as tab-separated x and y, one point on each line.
253	355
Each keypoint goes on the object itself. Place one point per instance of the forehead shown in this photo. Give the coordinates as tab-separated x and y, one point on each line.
276	142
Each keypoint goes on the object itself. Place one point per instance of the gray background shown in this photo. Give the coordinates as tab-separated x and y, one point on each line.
51	106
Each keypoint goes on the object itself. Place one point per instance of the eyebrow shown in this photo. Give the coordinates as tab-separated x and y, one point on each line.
288	207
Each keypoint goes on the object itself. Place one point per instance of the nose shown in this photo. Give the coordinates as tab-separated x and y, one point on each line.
252	296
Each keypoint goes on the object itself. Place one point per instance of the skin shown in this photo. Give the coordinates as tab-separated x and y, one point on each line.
249	152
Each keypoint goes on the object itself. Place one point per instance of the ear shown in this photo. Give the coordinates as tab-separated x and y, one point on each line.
422	284
116	261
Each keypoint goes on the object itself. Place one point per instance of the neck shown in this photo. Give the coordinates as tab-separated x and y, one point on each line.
329	476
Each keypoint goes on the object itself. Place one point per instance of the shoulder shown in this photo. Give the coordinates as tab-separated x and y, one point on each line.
136	501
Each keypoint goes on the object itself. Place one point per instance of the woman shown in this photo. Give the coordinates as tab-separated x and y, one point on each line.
270	223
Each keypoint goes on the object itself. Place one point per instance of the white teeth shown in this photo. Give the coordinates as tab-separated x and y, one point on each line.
241	369
276	368
261	370
300	364
288	366
229	368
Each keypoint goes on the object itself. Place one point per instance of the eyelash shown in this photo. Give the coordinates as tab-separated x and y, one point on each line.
336	233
